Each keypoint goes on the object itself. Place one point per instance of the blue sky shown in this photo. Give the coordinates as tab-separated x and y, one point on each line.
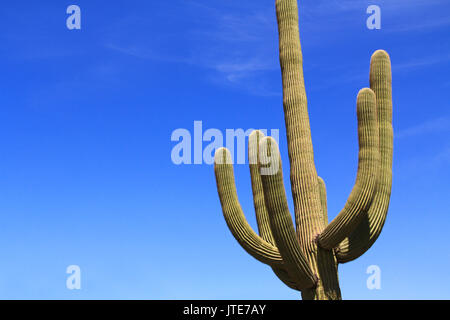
86	176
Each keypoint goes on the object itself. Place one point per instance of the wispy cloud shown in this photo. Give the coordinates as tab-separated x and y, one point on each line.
441	124
239	48
142	52
408	26
443	156
232	48
421	62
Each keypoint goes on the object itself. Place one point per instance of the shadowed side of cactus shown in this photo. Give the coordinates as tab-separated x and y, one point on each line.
305	256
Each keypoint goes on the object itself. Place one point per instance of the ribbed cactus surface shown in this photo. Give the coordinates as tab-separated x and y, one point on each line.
306	256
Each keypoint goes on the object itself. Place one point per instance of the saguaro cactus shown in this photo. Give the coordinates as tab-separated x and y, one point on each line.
306	257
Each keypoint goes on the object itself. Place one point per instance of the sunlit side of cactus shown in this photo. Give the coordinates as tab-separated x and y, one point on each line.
306	256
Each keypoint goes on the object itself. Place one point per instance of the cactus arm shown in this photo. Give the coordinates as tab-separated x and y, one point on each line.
368	169
234	217
323	200
370	228
283	230
283	275
262	216
303	175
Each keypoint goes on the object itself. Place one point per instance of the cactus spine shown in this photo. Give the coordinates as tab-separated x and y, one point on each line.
306	256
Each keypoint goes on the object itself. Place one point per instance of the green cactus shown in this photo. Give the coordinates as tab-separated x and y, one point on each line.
306	257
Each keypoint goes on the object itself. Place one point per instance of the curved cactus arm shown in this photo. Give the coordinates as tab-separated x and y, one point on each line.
283	275
283	230
367	232
368	169
262	216
323	200
232	211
